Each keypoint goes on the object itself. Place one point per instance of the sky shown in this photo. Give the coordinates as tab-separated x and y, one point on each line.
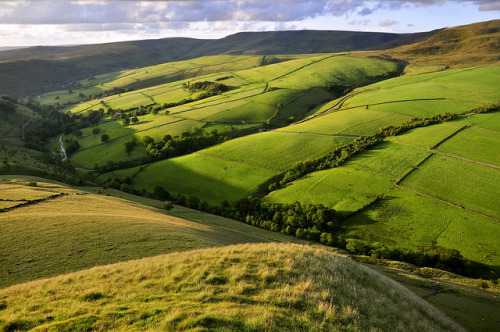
70	22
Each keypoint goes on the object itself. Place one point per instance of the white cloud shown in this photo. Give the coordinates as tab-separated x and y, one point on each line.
388	22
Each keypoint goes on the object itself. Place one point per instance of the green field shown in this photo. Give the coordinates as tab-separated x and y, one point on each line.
276	150
489	121
459	182
471	86
427	137
208	178
405	219
388	158
357	122
475	144
334	69
345	190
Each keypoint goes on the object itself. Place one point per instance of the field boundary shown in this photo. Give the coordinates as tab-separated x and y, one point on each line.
445	154
449	203
32	202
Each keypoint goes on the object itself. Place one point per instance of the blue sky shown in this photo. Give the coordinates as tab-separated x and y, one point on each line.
61	22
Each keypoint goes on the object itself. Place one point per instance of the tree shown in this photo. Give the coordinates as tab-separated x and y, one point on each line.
154	111
81	95
147	140
126	121
104	138
135	119
78	134
96	131
168	205
167	112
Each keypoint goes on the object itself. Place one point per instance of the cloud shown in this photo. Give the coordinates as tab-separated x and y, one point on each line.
365	11
388	22
358	22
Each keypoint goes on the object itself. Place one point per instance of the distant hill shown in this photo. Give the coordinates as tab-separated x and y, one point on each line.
40	69
466	45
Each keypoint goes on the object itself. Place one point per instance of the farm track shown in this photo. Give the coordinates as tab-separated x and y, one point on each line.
32	202
449	203
445	154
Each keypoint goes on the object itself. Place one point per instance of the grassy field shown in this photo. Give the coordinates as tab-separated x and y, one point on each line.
345	190
276	150
459	182
77	230
474	143
472	86
208	178
388	158
427	137
247	287
357	122
405	219
334	69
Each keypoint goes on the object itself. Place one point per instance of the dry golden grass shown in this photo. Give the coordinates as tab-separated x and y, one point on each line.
78	230
258	287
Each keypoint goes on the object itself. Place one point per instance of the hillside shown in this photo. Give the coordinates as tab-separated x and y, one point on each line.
41	69
69	229
459	46
246	287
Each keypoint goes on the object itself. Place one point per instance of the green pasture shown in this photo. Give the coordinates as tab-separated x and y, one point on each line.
388	158
249	112
334	69
276	150
357	122
463	183
428	136
475	144
208	178
477	85
489	121
270	72
345	190
405	219
203	112
424	108
110	151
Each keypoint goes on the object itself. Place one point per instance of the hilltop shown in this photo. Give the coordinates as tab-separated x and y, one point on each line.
40	69
460	46
271	287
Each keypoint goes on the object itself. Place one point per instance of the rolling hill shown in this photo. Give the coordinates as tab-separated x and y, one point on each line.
246	287
49	68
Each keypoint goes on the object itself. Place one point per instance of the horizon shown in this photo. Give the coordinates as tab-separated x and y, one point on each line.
61	23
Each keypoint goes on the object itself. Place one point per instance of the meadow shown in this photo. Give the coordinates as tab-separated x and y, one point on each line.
208	178
272	287
475	144
77	230
405	219
343	189
463	183
276	150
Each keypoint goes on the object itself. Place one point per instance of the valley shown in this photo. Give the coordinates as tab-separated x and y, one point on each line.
178	193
